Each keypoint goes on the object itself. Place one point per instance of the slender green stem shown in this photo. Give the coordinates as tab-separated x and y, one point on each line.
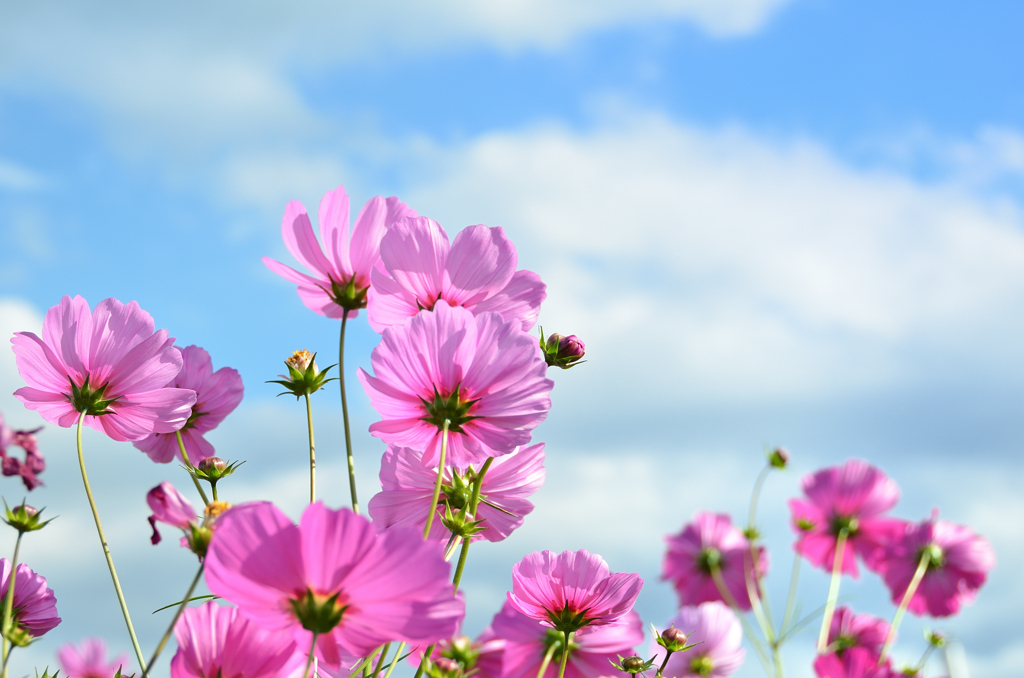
344	415
423	662
756	494
547	660
380	661
755	588
748	630
8	620
366	662
309	660
312	451
661	669
791	599
908	595
924	659
177	616
106	548
474	502
184	455
398	653
833	590
565	654
440	475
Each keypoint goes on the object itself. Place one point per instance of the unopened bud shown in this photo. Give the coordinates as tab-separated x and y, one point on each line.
562	351
443	667
25	518
304	377
673	635
300	360
936	639
632	663
212	465
778	457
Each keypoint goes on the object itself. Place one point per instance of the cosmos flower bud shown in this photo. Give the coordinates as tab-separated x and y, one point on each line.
212	465
443	667
25	518
169	507
672	639
304	377
561	351
631	664
778	457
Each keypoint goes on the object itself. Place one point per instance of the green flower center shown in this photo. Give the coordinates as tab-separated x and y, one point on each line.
318	613
848	523
709	559
451	407
934	555
702	666
86	399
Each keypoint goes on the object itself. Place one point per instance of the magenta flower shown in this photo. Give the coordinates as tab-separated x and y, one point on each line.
35	606
109	364
340	278
858	662
851	630
717	630
333	575
169	507
218	642
527	640
572	590
408	485
89	660
217	395
852	497
958	562
711	542
34	462
484	375
477	271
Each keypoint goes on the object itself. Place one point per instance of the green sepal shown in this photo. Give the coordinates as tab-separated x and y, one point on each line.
22	521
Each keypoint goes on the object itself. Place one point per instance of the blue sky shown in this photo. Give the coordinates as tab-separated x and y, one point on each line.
772	222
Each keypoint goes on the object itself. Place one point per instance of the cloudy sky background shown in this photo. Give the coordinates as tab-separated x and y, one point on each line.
785	223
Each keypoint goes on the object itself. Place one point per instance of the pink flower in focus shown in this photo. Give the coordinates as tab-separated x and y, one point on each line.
34	463
853	497
527	640
477	271
169	507
717	629
35	606
408	485
217	395
340	278
958	564
572	590
218	642
708	542
486	376
851	630
89	660
332	574
856	663
109	364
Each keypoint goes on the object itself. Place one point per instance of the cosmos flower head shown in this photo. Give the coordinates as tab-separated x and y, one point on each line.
35	605
89	660
849	630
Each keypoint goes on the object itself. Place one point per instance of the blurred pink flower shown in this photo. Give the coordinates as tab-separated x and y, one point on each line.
34	462
856	663
340	278
710	540
169	507
408	485
217	395
109	364
851	630
332	574
958	564
483	374
89	660
572	590
717	629
35	606
526	641
218	642
477	271
853	496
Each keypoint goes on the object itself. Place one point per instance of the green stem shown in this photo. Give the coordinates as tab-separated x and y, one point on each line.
440	475
547	660
748	630
474	502
106	548
924	659
565	654
391	667
366	662
344	415
908	595
309	660
184	455
661	669
380	661
8	620
423	662
833	590
791	599
312	451
177	616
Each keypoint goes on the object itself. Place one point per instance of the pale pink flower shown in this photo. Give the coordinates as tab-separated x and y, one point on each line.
477	271
217	395
35	606
856	663
332	574
572	590
958	564
89	660
710	541
526	641
34	462
169	507
854	497
109	364
408	485
218	642
340	270
717	630
851	630
486	376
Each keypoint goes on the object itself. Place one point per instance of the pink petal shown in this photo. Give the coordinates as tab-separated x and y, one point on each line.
333	218
520	300
297	232
481	263
413	252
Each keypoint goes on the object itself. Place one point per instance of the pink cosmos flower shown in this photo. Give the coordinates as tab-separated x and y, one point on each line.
853	497
89	660
958	564
218	642
334	575
340	278
217	395
408	485
527	640
858	662
572	590
34	463
486	376
109	364
477	271
35	606
711	541
851	630
169	507
717	629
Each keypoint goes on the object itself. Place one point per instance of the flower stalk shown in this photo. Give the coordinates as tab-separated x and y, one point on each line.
177	616
189	467
312	451
908	595
440	475
833	590
344	415
8	619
